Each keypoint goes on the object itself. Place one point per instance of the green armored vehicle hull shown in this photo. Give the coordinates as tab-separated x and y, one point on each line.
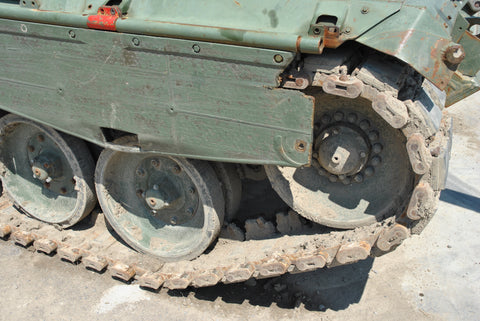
168	112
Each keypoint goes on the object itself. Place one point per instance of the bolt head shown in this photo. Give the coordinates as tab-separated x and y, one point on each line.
326	119
376	160
369	171
176	169
358	178
352	118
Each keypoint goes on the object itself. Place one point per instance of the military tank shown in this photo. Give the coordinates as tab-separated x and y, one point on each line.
173	115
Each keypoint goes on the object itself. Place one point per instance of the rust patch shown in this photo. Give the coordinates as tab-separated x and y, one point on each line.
297	45
331	37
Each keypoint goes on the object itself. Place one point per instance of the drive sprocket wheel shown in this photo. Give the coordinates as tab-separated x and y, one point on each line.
169	207
47	173
360	169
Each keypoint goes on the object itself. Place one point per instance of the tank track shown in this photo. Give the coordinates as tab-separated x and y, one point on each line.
93	244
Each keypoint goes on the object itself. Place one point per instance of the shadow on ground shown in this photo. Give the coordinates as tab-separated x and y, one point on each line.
461	199
335	288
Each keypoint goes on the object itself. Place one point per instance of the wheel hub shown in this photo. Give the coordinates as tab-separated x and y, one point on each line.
342	150
46	167
167	191
347	147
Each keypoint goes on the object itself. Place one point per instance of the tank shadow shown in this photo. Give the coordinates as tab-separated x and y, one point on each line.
335	289
466	201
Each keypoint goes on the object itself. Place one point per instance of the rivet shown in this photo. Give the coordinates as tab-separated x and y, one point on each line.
40	138
363	154
191	190
113	12
190	211
317	30
72	34
173	220
31	148
156	187
278	58
365	10
347	30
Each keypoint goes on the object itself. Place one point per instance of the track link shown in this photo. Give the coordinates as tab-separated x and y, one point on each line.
92	244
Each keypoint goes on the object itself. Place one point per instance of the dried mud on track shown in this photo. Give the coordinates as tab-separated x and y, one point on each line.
434	276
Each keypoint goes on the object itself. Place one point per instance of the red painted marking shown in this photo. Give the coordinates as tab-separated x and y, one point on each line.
102	22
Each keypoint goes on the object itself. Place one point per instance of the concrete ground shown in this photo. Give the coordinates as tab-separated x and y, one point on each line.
434	276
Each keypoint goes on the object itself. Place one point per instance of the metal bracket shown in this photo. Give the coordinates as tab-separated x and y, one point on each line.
105	19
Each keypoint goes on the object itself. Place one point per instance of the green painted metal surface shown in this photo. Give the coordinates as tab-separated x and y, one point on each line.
199	78
219	103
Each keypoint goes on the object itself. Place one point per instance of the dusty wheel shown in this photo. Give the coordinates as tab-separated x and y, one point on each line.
48	174
169	207
360	169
